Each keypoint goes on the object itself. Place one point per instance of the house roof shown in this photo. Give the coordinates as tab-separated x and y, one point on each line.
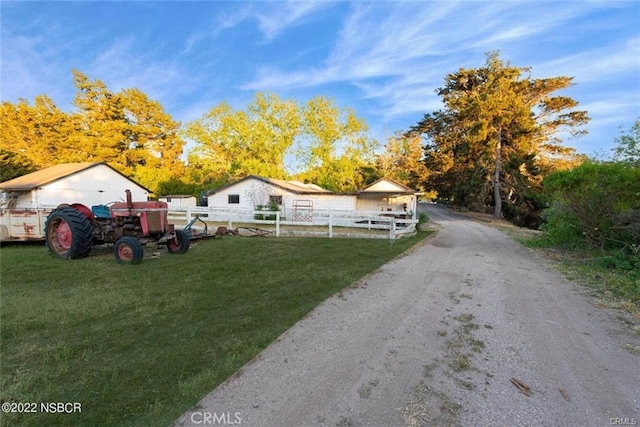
291	186
52	174
392	187
383	186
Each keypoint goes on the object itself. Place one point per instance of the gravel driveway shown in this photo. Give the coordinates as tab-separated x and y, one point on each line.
435	337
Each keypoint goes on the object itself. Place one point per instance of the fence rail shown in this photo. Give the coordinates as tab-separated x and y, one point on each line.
27	224
386	225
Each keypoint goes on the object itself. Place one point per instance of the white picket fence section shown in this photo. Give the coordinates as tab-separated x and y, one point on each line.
307	224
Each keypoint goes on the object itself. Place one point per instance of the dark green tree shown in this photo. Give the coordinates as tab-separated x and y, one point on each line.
497	135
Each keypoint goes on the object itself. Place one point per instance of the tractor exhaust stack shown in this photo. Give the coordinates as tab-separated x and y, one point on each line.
129	199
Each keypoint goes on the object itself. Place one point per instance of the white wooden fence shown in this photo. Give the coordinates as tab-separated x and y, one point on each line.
329	223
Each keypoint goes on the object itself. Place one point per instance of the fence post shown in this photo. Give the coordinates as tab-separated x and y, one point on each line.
188	214
330	225
278	224
229	225
392	228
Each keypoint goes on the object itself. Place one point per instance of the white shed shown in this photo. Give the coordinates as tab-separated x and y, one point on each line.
388	195
26	201
291	196
181	201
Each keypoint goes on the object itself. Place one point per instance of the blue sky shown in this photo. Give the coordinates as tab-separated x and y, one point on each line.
383	59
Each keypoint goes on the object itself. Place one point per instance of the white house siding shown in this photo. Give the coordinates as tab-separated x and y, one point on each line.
253	192
334	202
94	186
391	203
383	186
28	209
179	201
387	196
373	203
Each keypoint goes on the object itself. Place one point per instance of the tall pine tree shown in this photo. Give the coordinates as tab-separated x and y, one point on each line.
496	135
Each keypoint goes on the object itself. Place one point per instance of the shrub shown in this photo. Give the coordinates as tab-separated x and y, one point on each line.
266	217
599	201
423	218
561	228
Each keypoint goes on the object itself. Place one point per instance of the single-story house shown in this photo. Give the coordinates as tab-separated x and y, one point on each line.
297	200
294	199
26	201
180	201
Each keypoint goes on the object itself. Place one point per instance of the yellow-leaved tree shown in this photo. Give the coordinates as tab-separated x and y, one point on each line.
231	144
32	137
403	161
126	129
336	148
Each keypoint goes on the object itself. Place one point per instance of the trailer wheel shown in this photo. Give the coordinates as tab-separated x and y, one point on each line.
179	244
68	233
128	250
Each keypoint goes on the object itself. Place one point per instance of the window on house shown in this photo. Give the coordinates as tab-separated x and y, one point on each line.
234	199
275	200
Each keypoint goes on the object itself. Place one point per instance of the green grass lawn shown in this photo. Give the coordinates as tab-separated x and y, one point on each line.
139	345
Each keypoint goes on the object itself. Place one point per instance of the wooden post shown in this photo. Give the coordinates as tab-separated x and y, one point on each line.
330	225
278	224
392	228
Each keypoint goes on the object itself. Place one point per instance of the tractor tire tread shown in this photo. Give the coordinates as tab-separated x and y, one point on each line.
81	229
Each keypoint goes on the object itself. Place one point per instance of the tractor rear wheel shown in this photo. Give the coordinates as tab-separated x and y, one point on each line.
128	250
68	233
179	244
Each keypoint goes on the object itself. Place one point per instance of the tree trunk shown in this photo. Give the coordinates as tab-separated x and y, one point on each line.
497	201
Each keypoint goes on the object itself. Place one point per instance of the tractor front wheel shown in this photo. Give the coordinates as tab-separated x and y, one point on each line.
68	233
128	250
179	244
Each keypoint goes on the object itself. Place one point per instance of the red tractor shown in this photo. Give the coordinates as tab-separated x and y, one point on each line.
71	230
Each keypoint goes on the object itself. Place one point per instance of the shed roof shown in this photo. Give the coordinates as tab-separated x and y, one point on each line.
291	186
392	187
53	173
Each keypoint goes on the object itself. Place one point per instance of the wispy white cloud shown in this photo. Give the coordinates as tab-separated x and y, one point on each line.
398	54
616	109
590	65
393	56
287	14
273	17
29	66
384	59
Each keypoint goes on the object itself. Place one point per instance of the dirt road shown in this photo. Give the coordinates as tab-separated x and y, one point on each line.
435	338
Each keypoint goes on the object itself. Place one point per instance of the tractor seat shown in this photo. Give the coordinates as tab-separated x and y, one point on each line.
101	211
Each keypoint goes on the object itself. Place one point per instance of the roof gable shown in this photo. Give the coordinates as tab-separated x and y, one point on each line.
52	174
387	185
296	187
